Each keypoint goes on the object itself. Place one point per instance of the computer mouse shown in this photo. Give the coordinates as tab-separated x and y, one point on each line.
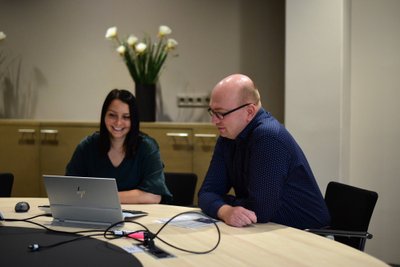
22	206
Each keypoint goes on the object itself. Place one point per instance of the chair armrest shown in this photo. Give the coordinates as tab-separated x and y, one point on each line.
327	232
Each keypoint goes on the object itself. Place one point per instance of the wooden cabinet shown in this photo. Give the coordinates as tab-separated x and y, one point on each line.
19	154
175	145
57	144
204	143
184	147
30	149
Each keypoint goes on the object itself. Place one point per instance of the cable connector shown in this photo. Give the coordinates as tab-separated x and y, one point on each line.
34	247
135	235
120	232
148	240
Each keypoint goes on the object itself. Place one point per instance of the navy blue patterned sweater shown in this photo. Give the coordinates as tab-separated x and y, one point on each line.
269	174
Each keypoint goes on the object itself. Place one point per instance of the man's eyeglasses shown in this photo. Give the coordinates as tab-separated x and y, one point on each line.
221	115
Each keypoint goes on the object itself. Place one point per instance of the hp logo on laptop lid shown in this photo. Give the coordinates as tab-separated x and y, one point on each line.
80	192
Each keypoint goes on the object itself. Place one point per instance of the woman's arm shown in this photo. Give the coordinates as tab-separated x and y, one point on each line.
137	196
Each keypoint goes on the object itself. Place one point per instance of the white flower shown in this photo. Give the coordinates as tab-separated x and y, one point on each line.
121	50
111	33
143	57
132	40
164	30
2	36
171	44
140	47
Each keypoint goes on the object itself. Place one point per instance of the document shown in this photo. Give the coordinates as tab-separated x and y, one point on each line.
190	221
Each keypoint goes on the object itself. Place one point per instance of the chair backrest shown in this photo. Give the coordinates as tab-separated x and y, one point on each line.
351	209
182	186
6	184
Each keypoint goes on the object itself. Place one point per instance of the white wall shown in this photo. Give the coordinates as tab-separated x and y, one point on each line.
64	41
342	85
375	116
314	82
262	54
67	59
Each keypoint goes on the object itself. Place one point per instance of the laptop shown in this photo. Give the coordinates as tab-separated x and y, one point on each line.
84	201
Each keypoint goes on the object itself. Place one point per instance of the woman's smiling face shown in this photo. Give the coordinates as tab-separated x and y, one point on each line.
118	119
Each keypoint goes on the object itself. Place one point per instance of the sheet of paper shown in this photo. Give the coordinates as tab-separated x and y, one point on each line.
133	249
190	221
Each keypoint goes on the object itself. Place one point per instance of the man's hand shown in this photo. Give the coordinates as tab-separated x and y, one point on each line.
236	216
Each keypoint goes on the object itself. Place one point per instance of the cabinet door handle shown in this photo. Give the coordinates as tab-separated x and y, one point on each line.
177	134
26	131
181	138
27	136
49	131
49	136
205	135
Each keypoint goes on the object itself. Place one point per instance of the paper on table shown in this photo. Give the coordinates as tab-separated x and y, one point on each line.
189	221
132	249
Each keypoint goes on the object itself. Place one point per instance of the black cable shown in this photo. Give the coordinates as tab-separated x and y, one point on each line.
108	229
28	220
148	240
36	247
149	236
182	249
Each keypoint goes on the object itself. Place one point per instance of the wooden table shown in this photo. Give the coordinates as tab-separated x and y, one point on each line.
258	245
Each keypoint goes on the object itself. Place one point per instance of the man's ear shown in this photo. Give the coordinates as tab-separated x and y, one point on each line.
251	111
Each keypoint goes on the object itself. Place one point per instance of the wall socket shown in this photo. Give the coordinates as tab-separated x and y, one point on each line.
190	100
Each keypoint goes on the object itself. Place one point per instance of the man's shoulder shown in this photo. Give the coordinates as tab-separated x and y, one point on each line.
271	131
267	126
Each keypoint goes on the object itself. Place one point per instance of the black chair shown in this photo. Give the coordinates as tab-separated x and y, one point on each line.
6	184
351	210
182	186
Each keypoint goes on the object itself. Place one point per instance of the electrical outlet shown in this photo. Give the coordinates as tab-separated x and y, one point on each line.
191	100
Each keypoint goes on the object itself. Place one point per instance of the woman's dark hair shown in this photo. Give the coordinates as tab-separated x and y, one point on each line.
132	138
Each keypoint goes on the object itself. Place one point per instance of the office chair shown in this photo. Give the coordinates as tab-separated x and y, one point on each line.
6	184
351	210
182	186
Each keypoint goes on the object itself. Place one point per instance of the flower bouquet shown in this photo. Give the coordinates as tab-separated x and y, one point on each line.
2	57
144	60
2	37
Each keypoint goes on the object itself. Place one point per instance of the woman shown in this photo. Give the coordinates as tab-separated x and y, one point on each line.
122	152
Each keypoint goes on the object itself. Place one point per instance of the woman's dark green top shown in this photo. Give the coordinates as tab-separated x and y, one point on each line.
143	171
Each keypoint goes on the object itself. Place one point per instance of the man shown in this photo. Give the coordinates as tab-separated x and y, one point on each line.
257	157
